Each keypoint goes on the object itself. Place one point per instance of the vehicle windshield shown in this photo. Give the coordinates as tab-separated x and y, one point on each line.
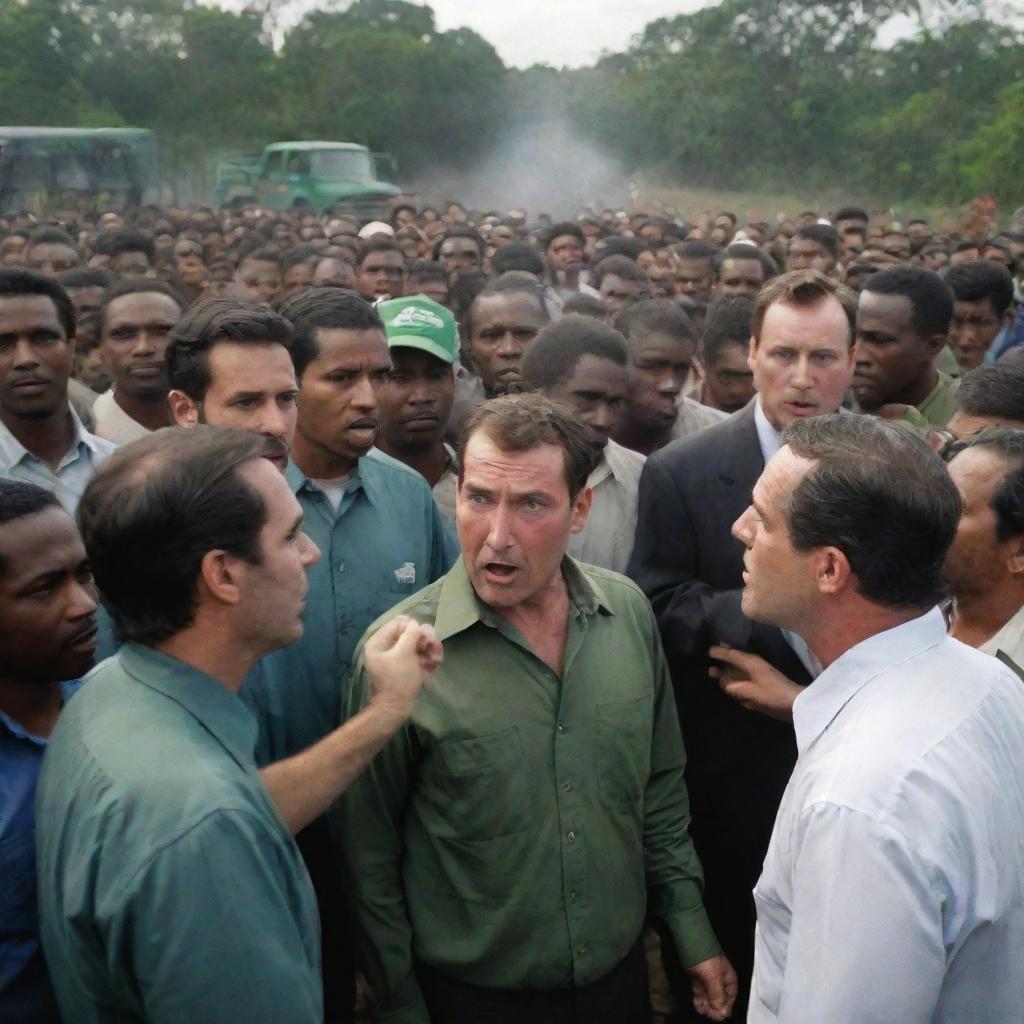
341	163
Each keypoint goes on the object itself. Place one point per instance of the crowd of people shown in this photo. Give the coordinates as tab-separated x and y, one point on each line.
464	619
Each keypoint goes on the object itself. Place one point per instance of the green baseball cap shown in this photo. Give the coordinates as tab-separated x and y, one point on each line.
418	322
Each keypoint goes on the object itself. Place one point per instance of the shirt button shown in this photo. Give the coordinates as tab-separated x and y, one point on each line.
571	837
572	896
341	567
581	949
567	787
561	729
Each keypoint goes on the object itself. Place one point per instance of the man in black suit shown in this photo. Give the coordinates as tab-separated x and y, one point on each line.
691	568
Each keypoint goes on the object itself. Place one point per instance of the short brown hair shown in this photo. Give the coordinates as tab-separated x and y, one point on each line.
518	423
802	288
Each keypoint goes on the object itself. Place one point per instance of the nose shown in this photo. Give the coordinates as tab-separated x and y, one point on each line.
801	378
310	552
83	600
273	421
25	355
603	418
743	528
670	384
508	346
363	395
499	537
145	343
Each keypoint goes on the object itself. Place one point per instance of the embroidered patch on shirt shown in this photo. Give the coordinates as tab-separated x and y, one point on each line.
406	574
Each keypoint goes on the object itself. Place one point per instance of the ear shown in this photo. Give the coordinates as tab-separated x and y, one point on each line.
832	571
183	409
221	576
581	508
1015	563
752	353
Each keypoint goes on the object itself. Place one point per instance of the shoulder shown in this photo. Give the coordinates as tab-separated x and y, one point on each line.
379	469
704	448
618	592
626	464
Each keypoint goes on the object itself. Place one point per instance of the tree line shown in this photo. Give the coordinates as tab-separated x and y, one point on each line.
745	94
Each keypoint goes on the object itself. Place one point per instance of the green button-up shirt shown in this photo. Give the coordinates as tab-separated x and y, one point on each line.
386	541
170	890
940	405
512	835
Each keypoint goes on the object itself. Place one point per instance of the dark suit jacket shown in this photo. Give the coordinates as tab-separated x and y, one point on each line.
690	566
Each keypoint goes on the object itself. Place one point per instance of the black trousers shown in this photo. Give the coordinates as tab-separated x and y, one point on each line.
620	997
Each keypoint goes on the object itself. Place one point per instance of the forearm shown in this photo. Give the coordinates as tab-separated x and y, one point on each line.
304	786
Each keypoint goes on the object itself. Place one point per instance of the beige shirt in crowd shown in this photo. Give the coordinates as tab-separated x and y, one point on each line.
113	423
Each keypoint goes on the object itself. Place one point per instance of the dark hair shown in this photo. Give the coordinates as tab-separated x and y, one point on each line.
48	235
616	245
461	232
519	423
137	286
212	321
880	495
377	244
332	308
554	353
131	241
996	391
638	320
851	213
695	250
746	251
621	266
804	289
17	282
304	253
427	270
516	256
930	297
824	234
1007	499
19	499
976	280
585	305
86	277
264	254
727	322
565	227
152	512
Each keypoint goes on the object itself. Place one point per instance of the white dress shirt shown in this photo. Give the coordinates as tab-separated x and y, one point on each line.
74	471
607	538
893	888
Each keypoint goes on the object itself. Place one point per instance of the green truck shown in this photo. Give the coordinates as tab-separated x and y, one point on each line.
338	176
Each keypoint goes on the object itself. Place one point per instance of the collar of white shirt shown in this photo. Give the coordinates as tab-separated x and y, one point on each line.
768	438
819	704
12	451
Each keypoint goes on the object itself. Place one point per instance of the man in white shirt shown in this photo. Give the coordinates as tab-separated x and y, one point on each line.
42	440
582	364
892	886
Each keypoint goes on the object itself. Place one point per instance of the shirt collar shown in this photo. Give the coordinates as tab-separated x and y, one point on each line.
458	606
302	484
768	438
16	729
13	451
214	706
820	703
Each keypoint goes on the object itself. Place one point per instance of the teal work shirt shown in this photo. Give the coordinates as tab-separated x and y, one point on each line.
514	833
170	889
386	541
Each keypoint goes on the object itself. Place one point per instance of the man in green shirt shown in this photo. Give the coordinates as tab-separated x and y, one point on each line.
172	890
902	322
503	850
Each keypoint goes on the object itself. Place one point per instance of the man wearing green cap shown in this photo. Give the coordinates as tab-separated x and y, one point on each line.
416	399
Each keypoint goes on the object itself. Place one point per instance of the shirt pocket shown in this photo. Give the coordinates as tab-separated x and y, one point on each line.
771	939
485	785
623	731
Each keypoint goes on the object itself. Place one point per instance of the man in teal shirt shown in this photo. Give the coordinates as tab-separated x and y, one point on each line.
173	890
504	848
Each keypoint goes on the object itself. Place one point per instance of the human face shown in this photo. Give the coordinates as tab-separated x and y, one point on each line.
514	519
778	580
616	291
297	278
252	387
12	251
740	277
891	358
728	381
261	277
503	326
381	275
188	258
694	278
934	259
433	287
564	251
274	591
973	329
897	246
51	259
977	560
964	255
659	369
86	300
459	254
415	399
130	264
803	361
134	341
36	357
47	600
338	405
336	273
596	390
805	253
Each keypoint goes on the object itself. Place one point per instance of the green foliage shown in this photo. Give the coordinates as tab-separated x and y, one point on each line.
742	94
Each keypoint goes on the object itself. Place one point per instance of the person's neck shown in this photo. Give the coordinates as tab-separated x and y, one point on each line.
977	617
149	411
429	461
642	439
34	706
543	621
214	650
317	462
841	628
47	438
917	391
